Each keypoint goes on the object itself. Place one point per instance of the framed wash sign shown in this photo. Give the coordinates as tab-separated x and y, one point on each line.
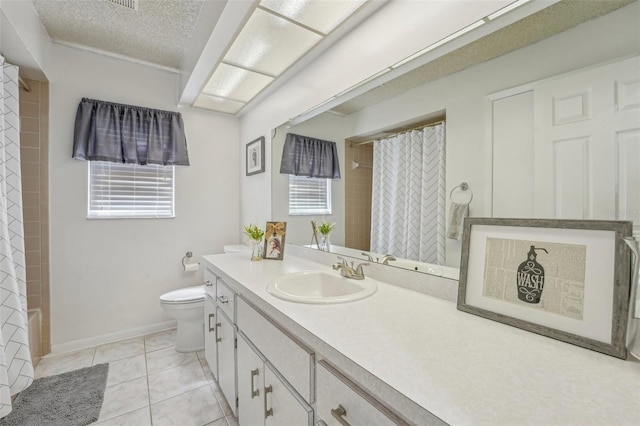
565	279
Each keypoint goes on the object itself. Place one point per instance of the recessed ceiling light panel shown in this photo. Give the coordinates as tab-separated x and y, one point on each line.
322	16
269	44
236	83
217	104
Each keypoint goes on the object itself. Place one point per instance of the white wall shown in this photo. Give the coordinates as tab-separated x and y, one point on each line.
326	127
107	275
463	96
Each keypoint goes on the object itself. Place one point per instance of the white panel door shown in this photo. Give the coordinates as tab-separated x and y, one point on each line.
587	151
513	155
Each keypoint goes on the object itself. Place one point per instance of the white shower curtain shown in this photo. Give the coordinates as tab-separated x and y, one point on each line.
16	369
408	195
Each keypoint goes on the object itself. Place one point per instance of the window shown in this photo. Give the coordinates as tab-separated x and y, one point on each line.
119	190
308	196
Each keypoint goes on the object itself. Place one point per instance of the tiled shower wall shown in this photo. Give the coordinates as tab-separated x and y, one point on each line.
358	196
34	152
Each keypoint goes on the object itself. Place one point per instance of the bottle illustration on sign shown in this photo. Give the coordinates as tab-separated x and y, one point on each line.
531	278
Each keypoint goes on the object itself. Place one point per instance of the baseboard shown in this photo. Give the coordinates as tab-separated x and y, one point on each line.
89	342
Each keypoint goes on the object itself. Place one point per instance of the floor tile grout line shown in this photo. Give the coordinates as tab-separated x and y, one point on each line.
146	369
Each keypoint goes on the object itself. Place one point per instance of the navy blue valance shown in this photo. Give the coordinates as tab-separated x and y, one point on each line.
107	131
311	157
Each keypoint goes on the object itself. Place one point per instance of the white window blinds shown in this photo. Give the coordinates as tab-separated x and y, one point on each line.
308	196
130	191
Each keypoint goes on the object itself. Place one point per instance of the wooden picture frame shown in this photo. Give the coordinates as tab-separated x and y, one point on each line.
274	236
564	279
255	156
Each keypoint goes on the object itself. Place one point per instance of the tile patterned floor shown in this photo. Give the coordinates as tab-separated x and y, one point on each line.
149	383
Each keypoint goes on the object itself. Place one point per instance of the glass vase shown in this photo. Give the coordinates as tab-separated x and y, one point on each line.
256	250
325	243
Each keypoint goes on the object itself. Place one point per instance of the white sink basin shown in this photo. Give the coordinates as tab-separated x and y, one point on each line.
320	287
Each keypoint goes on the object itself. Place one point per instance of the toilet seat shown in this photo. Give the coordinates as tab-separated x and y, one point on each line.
184	295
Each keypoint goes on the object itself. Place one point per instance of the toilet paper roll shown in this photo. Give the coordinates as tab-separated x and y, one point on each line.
191	267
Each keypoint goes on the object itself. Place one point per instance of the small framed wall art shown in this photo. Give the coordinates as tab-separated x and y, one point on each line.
274	240
255	156
565	279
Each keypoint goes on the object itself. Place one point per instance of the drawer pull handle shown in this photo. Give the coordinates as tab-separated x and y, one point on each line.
218	339
208	283
254	392
214	327
268	412
223	299
338	414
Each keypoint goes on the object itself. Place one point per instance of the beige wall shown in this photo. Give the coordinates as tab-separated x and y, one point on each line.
357	202
34	152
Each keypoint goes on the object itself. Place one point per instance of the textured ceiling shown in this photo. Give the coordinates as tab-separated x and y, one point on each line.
552	20
157	32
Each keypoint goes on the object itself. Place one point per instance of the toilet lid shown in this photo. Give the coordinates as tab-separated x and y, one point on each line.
184	295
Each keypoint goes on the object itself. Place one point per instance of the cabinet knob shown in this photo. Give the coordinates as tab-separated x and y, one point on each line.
339	414
208	283
254	392
218	339
223	299
267	412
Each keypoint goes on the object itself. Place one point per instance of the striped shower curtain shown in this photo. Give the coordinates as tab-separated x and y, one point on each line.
16	369
408	195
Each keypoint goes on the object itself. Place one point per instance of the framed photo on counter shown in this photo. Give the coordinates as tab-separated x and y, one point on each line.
274	237
565	279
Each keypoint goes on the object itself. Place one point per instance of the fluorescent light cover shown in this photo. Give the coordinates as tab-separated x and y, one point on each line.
217	104
322	16
508	8
236	83
270	44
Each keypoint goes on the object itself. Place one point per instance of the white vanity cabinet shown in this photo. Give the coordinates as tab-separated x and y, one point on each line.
226	339
291	358
264	397
342	402
210	343
220	334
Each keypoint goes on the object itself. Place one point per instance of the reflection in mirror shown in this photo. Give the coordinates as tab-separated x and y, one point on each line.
514	123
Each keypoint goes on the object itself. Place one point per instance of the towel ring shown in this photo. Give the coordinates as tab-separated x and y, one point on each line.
464	186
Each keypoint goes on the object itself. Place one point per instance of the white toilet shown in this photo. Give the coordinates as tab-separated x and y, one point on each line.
186	305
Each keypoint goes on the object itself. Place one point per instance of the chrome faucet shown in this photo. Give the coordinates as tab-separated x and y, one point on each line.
348	271
368	256
386	258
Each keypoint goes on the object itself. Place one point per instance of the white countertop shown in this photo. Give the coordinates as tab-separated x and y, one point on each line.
460	367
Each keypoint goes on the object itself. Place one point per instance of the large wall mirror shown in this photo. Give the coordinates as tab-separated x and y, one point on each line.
541	119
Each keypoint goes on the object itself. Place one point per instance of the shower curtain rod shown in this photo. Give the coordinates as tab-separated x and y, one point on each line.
422	126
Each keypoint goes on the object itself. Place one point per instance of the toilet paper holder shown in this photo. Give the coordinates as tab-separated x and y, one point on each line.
189	255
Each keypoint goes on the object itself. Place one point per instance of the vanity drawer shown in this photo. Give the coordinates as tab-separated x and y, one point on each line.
291	358
226	299
339	400
209	282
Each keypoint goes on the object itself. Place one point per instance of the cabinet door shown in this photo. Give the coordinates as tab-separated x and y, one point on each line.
210	346
339	400
281	405
227	359
250	385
